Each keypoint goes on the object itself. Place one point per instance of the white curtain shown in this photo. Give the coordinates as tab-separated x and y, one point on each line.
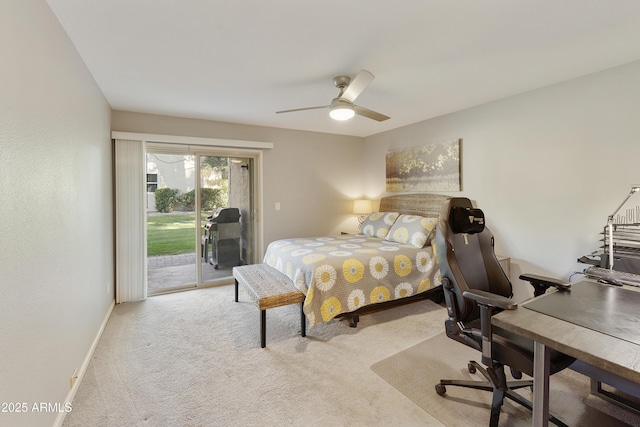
131	242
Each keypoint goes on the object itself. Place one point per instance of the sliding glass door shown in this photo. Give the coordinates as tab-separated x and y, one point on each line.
200	221
171	222
226	215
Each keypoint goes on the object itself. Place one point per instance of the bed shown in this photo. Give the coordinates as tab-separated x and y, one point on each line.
391	261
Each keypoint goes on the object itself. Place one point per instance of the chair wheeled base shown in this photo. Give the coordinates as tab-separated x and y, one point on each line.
498	394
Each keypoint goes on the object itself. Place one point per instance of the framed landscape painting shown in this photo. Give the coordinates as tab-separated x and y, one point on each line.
431	167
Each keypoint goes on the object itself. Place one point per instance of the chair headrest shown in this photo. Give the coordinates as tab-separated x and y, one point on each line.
466	220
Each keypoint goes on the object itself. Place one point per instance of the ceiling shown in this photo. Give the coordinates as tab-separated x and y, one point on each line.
241	61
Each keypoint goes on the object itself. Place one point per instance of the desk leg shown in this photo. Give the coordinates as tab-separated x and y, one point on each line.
541	362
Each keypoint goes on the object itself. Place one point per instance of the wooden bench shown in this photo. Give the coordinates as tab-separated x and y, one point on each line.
268	288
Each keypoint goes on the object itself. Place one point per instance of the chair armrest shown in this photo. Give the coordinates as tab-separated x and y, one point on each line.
492	300
488	303
542	283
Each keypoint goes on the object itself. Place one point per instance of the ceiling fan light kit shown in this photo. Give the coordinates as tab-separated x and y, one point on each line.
342	107
341	110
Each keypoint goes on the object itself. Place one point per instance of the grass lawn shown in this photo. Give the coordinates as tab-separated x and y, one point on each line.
171	234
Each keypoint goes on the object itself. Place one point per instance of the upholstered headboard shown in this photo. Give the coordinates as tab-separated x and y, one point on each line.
427	205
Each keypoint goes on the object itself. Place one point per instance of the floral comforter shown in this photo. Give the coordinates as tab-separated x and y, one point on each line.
343	273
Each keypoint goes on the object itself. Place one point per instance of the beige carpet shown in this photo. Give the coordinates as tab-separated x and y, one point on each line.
415	371
194	359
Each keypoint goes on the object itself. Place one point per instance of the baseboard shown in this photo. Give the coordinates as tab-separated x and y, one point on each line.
85	364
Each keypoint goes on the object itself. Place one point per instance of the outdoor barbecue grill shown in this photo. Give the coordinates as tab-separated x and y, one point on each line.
222	233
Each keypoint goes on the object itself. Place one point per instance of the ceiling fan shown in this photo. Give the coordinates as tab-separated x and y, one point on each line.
342	106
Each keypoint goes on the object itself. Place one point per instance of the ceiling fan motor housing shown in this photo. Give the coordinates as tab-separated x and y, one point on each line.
341	81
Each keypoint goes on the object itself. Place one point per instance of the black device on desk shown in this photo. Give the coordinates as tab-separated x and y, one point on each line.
613	277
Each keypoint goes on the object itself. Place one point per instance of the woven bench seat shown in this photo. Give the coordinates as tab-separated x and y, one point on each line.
268	288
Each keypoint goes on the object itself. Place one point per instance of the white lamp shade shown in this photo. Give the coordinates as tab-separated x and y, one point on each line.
361	206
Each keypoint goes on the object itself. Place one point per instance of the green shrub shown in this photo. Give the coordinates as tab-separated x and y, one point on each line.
188	200
170	199
212	198
166	199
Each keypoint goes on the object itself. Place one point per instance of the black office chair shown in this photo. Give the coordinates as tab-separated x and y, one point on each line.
476	287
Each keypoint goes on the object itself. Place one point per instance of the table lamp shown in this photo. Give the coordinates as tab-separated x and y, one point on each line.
361	207
634	189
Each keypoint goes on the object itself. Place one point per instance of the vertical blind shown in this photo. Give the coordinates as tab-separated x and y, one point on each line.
131	242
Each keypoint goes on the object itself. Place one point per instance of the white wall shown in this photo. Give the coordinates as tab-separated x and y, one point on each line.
56	256
547	167
314	176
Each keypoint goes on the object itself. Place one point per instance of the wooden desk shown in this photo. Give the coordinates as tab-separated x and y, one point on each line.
603	351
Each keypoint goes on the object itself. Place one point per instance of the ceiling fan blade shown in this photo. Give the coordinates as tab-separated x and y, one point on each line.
357	85
365	112
302	109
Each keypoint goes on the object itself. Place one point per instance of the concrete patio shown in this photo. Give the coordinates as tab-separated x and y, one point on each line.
178	271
